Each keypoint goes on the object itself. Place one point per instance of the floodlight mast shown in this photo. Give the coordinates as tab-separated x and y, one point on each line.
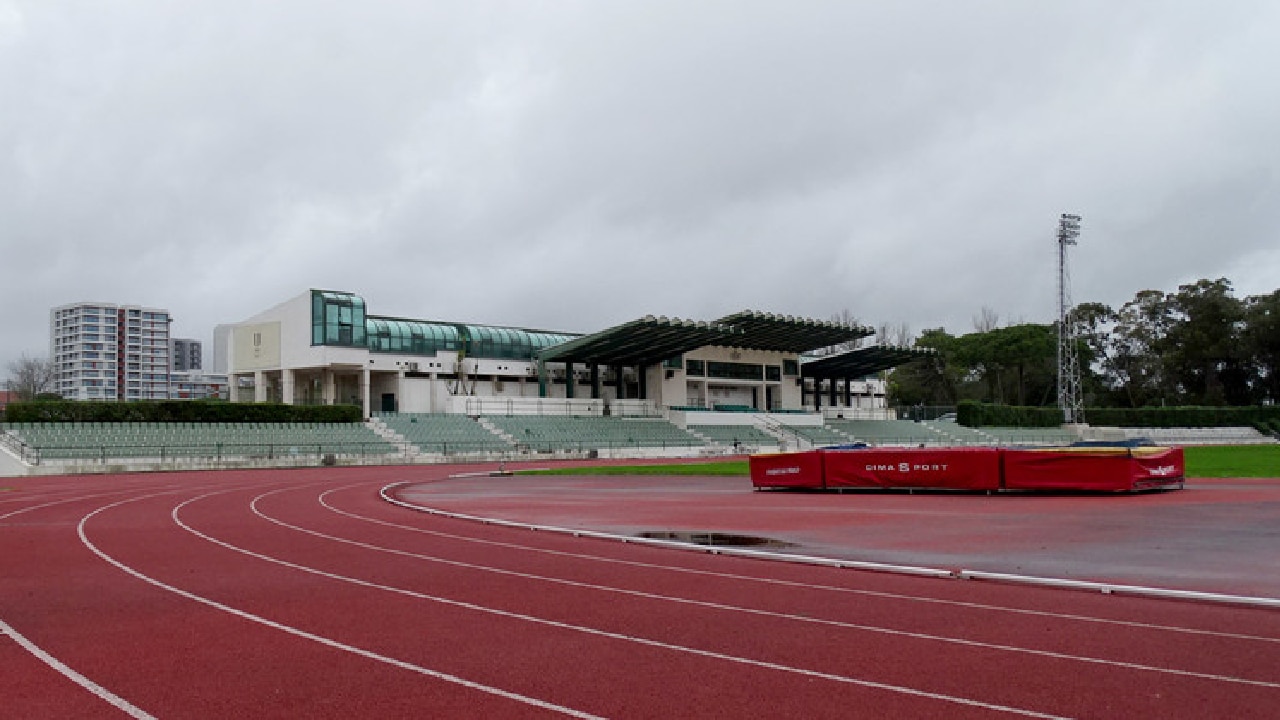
1070	400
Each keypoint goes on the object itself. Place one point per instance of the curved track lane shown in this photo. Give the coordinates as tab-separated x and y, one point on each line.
302	593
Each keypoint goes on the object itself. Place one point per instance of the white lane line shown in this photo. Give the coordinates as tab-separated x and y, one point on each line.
102	693
64	501
328	642
601	633
752	578
1110	588
765	613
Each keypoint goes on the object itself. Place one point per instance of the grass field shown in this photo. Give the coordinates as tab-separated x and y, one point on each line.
1211	461
1202	462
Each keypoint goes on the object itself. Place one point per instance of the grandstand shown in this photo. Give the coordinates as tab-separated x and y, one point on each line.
141	440
443	434
740	435
551	433
889	432
818	435
426	437
960	435
1030	436
1199	436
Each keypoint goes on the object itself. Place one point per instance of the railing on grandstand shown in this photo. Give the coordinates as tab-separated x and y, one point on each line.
552	446
466	447
208	452
477	406
17	447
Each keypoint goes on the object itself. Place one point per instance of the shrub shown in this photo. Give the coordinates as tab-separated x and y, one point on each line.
188	411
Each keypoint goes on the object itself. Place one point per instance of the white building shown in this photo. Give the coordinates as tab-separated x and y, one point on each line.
323	347
103	351
198	385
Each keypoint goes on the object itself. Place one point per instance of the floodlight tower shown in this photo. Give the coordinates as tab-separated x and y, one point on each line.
1069	396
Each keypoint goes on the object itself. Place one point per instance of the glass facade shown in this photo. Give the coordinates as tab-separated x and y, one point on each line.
337	318
508	343
411	336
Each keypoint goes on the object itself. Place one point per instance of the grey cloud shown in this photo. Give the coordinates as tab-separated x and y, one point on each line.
573	165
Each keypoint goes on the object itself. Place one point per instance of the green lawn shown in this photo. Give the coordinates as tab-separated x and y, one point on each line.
1210	461
1202	462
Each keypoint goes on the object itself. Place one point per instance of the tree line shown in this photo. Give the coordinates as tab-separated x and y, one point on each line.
1201	345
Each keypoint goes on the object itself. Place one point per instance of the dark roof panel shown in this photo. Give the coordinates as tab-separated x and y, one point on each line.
860	362
646	340
653	339
767	331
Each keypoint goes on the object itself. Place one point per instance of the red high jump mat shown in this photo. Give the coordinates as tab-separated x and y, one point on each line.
1119	469
1116	469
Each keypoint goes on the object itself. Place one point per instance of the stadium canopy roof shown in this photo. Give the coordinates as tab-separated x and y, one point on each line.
650	340
766	331
860	362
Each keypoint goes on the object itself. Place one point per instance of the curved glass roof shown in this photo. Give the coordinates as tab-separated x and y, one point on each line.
411	336
508	343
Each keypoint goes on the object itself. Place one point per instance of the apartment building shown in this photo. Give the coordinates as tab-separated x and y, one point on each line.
103	351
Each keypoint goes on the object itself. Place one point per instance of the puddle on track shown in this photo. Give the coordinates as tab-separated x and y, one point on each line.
715	538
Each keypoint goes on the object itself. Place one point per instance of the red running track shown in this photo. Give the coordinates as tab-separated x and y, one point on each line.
302	594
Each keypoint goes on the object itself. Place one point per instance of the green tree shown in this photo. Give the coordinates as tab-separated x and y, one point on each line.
1137	339
930	380
1093	324
1261	342
1201	351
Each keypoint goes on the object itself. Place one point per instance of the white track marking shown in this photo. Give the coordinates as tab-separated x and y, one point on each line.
253	505
102	693
602	633
63	501
328	642
767	581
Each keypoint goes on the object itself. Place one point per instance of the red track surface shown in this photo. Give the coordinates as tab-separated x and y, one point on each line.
302	594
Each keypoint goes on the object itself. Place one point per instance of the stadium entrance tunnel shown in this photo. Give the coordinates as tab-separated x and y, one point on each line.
715	539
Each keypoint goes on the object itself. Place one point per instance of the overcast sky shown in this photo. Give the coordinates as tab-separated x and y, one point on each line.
574	165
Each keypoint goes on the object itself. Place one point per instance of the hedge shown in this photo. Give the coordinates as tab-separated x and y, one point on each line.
188	411
975	414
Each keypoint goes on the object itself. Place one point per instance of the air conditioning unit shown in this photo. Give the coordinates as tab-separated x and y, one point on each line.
413	367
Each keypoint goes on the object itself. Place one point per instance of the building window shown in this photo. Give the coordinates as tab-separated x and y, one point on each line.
735	371
337	319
